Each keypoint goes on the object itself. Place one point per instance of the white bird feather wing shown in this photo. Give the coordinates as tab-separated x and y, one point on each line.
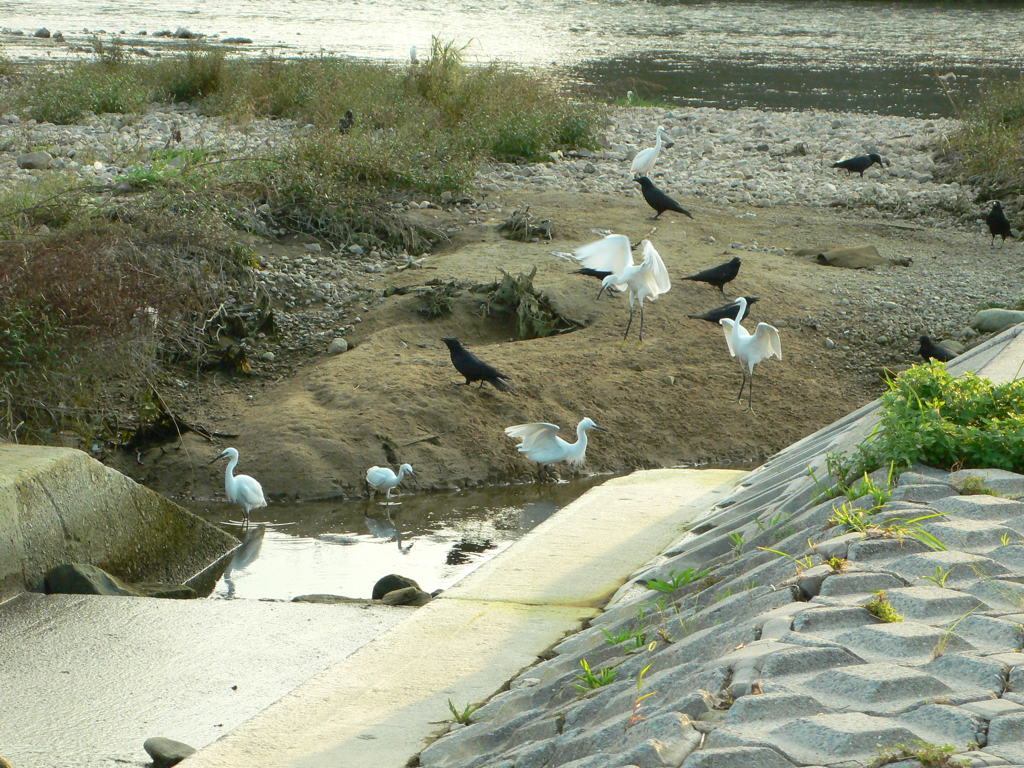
767	342
376	476
728	324
609	254
533	437
655	271
249	492
643	161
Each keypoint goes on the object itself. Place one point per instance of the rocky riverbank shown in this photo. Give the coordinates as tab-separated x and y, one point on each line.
760	186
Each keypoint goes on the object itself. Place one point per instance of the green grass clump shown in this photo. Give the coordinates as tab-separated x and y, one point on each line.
589	679
882	609
677	579
930	416
926	754
988	150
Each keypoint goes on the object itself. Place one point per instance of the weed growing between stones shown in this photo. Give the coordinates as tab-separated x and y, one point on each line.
975	486
882	609
588	679
939	577
632	639
738	543
801	563
677	579
635	716
462	716
943	643
927	755
837	564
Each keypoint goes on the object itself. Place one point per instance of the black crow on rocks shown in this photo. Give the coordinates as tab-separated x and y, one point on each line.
997	222
931	351
727	310
473	368
658	200
860	163
718	276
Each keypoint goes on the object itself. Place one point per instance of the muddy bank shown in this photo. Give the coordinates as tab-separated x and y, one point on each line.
670	401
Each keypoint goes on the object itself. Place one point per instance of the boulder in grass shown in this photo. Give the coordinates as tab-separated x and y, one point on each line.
35	161
166	752
390	583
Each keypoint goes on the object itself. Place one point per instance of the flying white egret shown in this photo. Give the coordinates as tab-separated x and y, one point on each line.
385	479
645	159
243	490
646	280
540	442
750	350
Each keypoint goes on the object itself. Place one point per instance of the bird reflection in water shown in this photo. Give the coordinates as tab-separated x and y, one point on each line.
385	528
244	555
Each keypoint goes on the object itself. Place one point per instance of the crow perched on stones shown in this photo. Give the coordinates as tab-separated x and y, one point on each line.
931	351
727	310
345	123
658	200
473	368
860	163
997	222
718	276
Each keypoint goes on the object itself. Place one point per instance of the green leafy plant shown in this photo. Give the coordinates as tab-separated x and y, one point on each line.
632	639
926	754
940	576
678	579
1004	539
837	564
589	679
462	716
738	542
801	563
929	416
851	518
881	608
898	528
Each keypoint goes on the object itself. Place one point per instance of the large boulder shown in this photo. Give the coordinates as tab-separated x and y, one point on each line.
390	583
34	161
406	596
995	320
85	579
166	752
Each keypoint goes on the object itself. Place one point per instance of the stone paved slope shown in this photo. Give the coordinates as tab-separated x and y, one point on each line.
765	664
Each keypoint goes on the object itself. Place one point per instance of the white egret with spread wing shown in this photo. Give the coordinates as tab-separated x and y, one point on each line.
646	280
540	442
749	349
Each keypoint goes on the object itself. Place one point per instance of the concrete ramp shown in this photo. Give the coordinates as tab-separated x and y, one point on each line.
59	505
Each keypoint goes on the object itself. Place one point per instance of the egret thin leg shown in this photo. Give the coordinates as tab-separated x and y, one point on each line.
641	321
743	383
750	397
631	311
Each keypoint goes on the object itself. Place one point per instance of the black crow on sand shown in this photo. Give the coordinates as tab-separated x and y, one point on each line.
718	276
727	310
658	200
473	368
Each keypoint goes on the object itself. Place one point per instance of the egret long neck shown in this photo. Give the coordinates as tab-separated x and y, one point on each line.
401	473
581	440
740	313
657	143
229	474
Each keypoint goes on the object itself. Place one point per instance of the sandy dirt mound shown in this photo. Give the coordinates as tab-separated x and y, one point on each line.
393	397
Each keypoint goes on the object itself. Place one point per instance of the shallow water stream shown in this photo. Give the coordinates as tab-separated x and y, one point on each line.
343	548
836	54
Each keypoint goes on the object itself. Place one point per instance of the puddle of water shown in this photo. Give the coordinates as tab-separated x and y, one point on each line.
343	548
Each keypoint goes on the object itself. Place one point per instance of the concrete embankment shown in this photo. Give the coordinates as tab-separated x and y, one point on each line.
58	505
758	660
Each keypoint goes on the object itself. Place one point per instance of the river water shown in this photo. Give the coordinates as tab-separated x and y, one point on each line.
855	55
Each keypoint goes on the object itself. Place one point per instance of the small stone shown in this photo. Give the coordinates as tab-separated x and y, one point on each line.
590	168
41	32
337	346
35	161
236	41
268	357
58	37
313	248
668	379
166	752
356	249
829	344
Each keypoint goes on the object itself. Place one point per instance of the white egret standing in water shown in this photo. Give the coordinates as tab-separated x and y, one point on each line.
645	159
540	442
750	350
646	280
243	490
385	479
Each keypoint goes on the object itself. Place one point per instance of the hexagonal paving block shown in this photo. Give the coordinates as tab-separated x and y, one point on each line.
968	535
858	582
990	508
831	619
972	676
737	757
998	593
875	551
959	566
771	707
876	689
990	634
905	641
931	603
944	724
834	738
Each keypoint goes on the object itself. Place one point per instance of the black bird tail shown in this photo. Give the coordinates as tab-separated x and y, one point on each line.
501	384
